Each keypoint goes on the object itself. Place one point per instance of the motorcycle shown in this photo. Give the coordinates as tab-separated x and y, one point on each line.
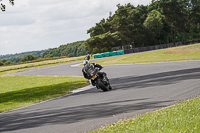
99	82
96	78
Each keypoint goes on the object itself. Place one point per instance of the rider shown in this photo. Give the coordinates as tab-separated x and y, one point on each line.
86	75
87	57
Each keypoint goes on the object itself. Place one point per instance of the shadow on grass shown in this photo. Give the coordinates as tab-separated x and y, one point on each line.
16	99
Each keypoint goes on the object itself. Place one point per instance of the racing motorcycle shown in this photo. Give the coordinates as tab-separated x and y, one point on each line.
101	83
97	80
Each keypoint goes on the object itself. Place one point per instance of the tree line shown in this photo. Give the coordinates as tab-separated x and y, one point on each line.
20	57
68	50
163	21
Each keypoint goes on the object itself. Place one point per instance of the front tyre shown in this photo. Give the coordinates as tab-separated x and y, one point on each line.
101	85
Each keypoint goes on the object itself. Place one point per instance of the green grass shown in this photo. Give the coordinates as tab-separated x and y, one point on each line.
183	117
19	91
192	53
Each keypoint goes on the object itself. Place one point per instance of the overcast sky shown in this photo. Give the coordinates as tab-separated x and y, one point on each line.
32	25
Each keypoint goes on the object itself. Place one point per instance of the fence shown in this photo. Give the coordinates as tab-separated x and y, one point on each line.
161	46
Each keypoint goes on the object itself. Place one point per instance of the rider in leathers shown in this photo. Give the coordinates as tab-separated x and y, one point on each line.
102	74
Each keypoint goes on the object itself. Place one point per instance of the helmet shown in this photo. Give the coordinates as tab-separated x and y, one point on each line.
86	62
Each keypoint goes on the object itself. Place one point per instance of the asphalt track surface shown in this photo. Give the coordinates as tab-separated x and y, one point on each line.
137	89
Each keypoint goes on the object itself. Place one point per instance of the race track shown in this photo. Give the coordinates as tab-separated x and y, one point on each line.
137	89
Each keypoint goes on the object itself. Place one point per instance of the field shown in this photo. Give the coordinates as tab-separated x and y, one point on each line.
182	53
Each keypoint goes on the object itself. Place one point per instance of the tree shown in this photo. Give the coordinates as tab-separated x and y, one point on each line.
123	24
137	32
7	63
70	55
102	43
154	24
195	15
3	6
100	28
176	14
3	60
110	32
77	48
48	55
1	63
27	58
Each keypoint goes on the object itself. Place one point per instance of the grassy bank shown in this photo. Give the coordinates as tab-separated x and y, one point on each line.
182	53
183	117
19	91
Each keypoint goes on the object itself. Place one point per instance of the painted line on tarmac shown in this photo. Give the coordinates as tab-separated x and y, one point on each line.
76	65
82	89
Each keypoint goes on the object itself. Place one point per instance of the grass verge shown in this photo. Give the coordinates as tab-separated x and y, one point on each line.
182	53
179	118
20	91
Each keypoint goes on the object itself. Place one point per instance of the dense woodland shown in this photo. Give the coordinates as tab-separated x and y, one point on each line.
163	21
20	57
70	50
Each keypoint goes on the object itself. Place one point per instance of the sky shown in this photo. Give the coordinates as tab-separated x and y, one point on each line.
32	25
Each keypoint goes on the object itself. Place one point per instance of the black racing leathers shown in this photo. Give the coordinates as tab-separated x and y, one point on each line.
87	76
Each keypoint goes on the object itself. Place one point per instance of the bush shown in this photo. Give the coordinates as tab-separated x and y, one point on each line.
1	64
27	58
3	60
48	56
70	55
7	63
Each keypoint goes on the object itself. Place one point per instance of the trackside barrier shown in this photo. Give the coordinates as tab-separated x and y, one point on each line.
106	54
121	52
112	53
97	56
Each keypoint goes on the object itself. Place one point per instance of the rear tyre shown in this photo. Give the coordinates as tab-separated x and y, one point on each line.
101	85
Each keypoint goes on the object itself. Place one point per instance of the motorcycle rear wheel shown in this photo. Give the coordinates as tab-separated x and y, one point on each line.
101	85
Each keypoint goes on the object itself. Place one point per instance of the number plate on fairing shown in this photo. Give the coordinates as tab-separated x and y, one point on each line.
94	77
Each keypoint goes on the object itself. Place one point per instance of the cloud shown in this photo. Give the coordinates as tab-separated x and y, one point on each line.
41	24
